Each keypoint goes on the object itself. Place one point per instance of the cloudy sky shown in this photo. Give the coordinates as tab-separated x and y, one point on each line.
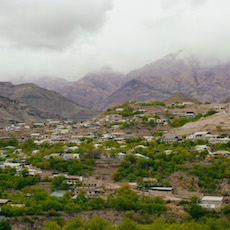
68	38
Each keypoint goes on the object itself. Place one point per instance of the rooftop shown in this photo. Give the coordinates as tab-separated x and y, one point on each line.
212	198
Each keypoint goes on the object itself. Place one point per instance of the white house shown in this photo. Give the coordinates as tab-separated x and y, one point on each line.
201	147
212	202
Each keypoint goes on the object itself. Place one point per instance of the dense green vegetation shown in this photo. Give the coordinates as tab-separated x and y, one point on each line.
97	223
152	103
72	166
127	109
8	142
183	158
35	201
9	178
143	212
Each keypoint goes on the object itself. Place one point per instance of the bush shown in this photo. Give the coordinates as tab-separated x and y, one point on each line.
4	225
96	223
181	202
51	226
75	223
196	211
226	210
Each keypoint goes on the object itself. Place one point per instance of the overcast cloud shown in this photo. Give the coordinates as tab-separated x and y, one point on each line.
67	38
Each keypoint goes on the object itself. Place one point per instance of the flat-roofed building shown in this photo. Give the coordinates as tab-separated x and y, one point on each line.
213	202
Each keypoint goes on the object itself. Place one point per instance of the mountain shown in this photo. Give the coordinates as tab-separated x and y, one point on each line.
45	100
50	83
12	111
89	91
93	87
180	97
226	100
159	80
171	74
132	90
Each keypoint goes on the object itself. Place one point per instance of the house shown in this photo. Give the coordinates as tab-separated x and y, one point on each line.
163	189
202	147
188	103
4	156
17	166
94	184
32	171
119	109
73	148
167	152
68	156
189	114
90	192
121	155
58	155
170	139
200	135
224	140
35	135
9	148
220	152
57	194
219	107
140	146
35	151
116	135
212	202
148	138
92	188
140	155
73	180
54	123
39	124
4	201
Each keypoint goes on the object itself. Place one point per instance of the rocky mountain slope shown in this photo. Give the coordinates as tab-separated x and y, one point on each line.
133	90
45	100
12	111
93	87
173	74
159	80
89	91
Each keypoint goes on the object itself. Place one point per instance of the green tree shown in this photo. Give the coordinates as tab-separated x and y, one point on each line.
226	210
196	211
74	224
97	223
51	226
128	224
4	225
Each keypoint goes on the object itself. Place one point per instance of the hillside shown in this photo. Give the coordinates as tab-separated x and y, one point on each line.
205	124
226	100
12	111
45	100
180	97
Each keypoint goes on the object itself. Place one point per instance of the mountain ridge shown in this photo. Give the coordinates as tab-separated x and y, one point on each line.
45	100
158	80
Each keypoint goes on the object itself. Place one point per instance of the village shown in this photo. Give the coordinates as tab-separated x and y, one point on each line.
108	135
